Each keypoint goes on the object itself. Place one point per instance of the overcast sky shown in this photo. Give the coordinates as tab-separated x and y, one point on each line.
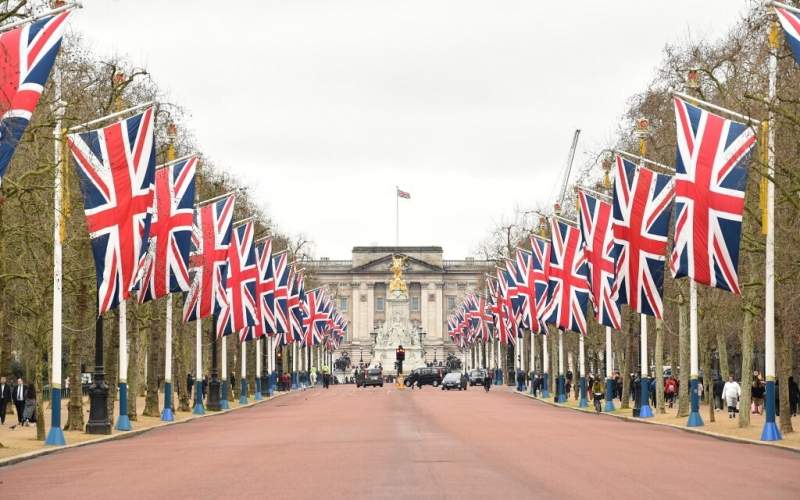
323	106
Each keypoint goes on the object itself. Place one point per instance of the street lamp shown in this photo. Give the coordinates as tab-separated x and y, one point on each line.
422	334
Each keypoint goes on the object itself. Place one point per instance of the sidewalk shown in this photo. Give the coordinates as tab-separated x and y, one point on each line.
21	443
723	428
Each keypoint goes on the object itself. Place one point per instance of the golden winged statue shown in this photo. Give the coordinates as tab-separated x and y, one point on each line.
398	283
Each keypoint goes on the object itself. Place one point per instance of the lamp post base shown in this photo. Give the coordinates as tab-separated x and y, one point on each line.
213	403
243	392
198	398
98	409
582	401
609	395
265	385
166	413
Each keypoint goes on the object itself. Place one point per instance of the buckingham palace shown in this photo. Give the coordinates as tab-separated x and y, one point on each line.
435	287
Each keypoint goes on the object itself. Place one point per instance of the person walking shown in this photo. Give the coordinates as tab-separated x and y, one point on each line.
757	395
730	394
5	398
18	397
189	384
794	396
670	389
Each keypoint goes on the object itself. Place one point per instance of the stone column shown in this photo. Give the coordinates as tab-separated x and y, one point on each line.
371	307
440	331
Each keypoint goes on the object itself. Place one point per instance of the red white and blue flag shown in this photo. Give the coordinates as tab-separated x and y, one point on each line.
710	182
283	276
598	247
211	238
296	305
526	289
484	318
642	209
28	55
568	285
116	167
507	329
540	251
265	291
240	285
790	21
166	263
316	321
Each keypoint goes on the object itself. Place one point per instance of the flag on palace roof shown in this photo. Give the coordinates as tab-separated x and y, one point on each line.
598	247
403	194
568	285
208	261
166	263
710	181
116	168
642	209
29	53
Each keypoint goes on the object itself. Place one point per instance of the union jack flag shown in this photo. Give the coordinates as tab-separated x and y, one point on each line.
710	182
598	247
28	55
211	238
541	277
484	318
316	321
239	311
265	291
790	21
165	268
116	166
642	209
296	305
507	325
568	285
283	276
526	289
493	303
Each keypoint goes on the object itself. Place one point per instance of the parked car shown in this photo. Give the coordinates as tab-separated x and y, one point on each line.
374	377
477	376
360	376
452	381
423	376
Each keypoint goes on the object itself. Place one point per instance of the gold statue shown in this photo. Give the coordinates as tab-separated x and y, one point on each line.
398	283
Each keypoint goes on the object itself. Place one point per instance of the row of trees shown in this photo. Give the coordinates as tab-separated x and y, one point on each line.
92	87
733	73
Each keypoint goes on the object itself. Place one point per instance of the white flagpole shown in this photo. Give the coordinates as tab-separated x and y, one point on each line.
166	413
561	396
545	368
258	342
695	420
224	362
55	436
243	376
609	372
198	368
582	402
123	422
770	431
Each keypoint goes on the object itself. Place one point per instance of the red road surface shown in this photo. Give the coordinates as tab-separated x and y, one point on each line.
382	443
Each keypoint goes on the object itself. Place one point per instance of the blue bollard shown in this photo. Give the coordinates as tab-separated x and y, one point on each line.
258	396
545	385
223	401
271	384
645	410
198	409
55	436
560	384
243	391
610	389
294	381
123	422
582	402
695	420
770	431
166	413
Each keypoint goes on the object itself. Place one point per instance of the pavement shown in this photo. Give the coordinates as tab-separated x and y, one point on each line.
379	443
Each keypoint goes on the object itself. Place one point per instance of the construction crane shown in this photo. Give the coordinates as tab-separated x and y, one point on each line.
570	159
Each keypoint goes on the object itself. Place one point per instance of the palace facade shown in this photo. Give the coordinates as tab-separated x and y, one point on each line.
436	287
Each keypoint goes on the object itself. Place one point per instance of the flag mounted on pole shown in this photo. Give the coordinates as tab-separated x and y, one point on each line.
211	238
239	311
568	285
403	194
789	18
710	182
28	55
283	276
642	209
598	239
116	169
541	278
165	268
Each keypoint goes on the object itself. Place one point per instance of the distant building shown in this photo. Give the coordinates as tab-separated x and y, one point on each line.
435	286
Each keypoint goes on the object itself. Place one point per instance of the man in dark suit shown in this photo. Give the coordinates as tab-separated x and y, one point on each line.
5	398
18	396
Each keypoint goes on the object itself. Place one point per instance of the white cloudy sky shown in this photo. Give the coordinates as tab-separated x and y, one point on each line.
323	106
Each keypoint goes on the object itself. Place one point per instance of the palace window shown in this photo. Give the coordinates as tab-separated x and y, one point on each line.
451	302
379	304
342	304
415	304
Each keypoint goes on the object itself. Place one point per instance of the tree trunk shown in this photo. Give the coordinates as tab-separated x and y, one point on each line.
659	362
111	331
722	349
133	365
784	371
151	407
684	403
75	417
179	346
708	387
748	305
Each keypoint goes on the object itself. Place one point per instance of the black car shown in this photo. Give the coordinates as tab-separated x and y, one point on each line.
374	377
477	376
423	376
